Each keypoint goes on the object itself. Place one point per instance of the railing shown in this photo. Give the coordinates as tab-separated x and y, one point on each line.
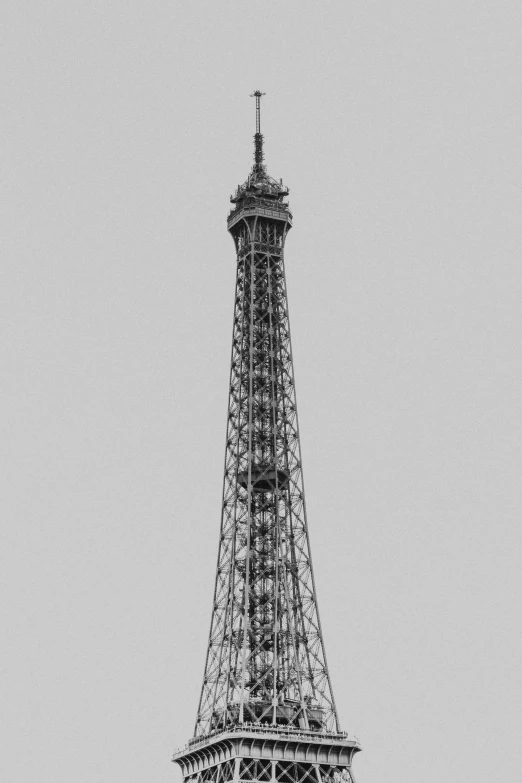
255	210
278	732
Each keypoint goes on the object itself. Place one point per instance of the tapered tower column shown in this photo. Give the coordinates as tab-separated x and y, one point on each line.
266	710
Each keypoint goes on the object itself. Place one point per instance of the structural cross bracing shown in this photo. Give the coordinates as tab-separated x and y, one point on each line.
265	672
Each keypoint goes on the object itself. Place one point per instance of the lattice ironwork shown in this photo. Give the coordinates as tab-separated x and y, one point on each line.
266	711
265	660
251	770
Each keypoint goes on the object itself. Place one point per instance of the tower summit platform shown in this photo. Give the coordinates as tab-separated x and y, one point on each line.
261	194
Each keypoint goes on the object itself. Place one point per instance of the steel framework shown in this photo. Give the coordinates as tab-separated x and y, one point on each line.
266	710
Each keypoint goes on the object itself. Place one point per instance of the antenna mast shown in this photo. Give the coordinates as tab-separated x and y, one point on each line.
258	138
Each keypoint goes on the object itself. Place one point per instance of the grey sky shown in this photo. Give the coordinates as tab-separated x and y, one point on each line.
125	127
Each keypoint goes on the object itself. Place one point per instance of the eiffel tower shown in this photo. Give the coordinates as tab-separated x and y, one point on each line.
267	710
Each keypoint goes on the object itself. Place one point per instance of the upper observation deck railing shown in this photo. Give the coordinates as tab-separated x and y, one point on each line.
259	209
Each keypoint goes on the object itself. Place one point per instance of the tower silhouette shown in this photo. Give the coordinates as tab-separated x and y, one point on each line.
266	710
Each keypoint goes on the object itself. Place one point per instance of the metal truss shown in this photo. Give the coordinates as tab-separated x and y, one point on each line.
265	661
266	770
266	712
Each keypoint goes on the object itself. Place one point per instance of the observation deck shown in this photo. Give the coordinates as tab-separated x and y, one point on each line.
275	210
253	740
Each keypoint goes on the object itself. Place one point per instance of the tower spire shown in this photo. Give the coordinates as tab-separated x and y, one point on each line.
258	138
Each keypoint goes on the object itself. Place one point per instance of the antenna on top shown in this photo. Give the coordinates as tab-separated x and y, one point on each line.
257	95
258	138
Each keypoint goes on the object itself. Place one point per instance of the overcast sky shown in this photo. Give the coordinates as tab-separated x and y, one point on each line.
125	126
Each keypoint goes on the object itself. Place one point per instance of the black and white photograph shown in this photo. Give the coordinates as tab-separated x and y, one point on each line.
245	243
